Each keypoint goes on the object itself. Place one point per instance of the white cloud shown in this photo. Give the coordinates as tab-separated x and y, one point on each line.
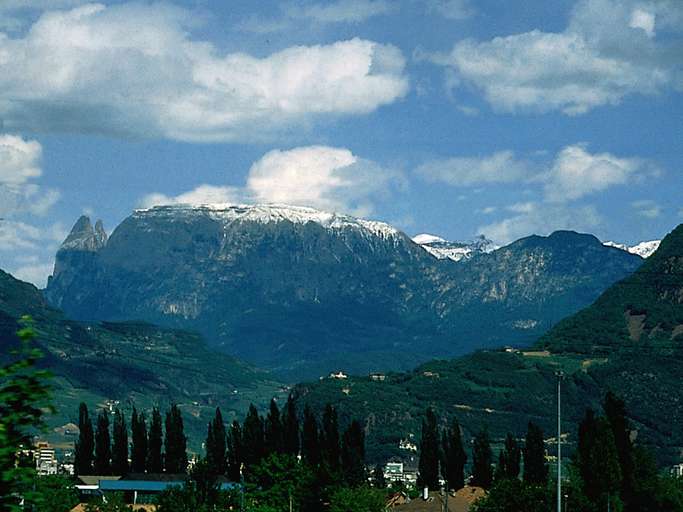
451	9
607	52
542	219
318	176
647	208
34	273
132	69
18	236
576	173
340	11
500	167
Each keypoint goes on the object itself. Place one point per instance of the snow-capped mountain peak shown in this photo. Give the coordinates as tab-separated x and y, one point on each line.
643	249
456	251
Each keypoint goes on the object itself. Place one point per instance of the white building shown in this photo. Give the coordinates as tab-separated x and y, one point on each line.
46	460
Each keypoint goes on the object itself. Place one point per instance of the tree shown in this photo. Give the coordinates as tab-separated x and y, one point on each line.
119	450
234	451
378	480
428	465
329	441
310	443
290	428
273	433
138	452
102	444
175	442
55	493
509	459
279	480
353	455
535	466
215	445
482	460
24	399
615	412
252	438
360	499
85	445
453	456
512	495
155	462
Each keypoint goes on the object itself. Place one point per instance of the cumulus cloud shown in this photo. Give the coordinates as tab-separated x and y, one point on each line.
132	69
647	208
500	167
318	176
607	52
542	219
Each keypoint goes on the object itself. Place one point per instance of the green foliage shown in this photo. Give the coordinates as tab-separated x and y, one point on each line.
119	451
509	459
175	442
114	503
138	450
279	479
215	445
273	435
55	493
378	480
102	465
353	455
24	398
535	465
234	451
154	459
482	460
512	495
252	438
310	443
453	457
359	499
329	442
85	445
290	425
428	465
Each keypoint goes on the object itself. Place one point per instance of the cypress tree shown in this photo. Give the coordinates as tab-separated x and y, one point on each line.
454	457
155	461
252	438
428	465
273	433
290	427
482	460
329	441
102	444
310	442
215	445
85	444
119	450
353	455
535	465
138	452
615	412
378	480
597	459
510	458
234	451
175	442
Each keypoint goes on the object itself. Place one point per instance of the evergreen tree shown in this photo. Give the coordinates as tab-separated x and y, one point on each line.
234	451
138	452
428	465
155	461
310	442
615	412
215	445
510	458
102	445
85	444
482	460
535	465
353	455
273	433
378	480
453	456
290	427
329	441
175	442
252	438
119	450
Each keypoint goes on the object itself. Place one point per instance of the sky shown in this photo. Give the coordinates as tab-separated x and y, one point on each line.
450	117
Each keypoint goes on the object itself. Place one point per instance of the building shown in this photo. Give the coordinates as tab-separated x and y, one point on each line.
677	470
438	501
378	377
398	472
338	375
46	459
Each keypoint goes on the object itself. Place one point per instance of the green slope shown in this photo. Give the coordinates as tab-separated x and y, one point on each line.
599	348
134	363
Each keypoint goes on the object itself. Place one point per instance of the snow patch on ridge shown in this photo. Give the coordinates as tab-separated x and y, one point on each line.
643	249
456	251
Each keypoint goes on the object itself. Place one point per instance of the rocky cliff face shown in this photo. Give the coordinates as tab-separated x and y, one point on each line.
303	291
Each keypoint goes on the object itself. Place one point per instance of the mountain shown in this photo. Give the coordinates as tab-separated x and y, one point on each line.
303	292
455	251
643	249
630	340
132	363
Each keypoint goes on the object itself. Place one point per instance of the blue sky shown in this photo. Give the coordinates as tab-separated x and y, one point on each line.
451	117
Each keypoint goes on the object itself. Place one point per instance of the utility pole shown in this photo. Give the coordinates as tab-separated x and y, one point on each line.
560	375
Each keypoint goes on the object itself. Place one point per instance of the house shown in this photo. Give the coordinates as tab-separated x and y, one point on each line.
378	377
338	375
46	459
437	501
398	472
677	470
